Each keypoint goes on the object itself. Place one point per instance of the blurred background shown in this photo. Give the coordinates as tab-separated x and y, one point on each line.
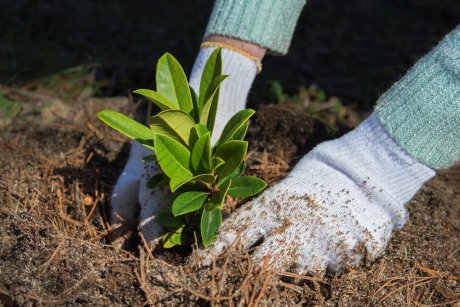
352	49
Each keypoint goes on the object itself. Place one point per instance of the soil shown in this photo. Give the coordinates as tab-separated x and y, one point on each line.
57	172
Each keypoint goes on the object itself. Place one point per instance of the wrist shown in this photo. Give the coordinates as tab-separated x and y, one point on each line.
254	50
251	51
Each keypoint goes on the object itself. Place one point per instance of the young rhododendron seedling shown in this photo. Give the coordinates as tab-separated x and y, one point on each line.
198	174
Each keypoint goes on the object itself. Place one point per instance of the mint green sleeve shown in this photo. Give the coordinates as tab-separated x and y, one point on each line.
422	110
268	23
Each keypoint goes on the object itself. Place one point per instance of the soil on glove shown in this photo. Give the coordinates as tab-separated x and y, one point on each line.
57	171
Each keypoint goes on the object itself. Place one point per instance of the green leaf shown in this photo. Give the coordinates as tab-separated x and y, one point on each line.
176	183
216	162
241	133
172	82
200	129
235	174
238	171
233	153
210	223
173	158
127	126
180	238
234	124
173	123
167	242
205	112
246	186
217	199
211	217
174	238
211	70
168	220
161	101
214	87
189	202
206	179
196	111
200	158
208	114
197	131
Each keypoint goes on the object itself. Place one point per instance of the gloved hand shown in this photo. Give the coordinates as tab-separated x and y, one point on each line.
337	207
131	193
131	190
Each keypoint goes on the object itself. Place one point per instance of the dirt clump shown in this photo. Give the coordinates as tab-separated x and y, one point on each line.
281	130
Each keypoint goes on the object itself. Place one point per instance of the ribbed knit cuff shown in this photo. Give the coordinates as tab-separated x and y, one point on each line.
389	165
268	23
422	111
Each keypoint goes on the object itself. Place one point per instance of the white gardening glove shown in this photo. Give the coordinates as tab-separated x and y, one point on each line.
124	208
339	205
131	188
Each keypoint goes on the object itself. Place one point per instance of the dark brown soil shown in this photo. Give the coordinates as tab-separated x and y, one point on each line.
56	176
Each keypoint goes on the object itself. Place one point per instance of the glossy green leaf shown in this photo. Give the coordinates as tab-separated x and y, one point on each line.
189	202
206	179
233	153
167	242
168	220
216	162
172	82
173	238
208	113
173	158
180	238
201	129
127	126
217	199
200	158
176	183
196	111
210	223
241	133
161	101
174	123
205	112
197	131
213	87
235	174
211	70
238	171
246	186
234	124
